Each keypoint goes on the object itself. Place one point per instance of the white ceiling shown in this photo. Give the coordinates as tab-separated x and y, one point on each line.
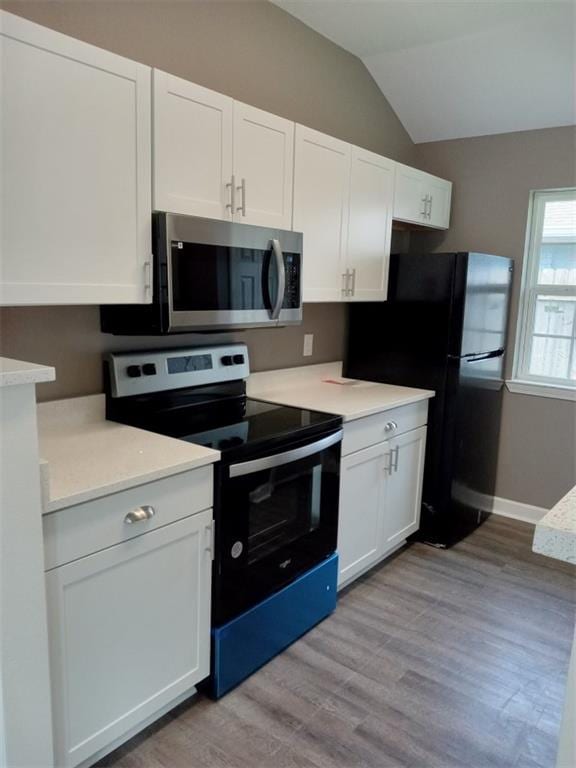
459	68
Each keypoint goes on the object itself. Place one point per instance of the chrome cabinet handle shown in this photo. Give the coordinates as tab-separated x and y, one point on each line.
390	426
388	464
279	256
346	290
242	207
232	187
394	459
139	515
430	206
424	213
353	288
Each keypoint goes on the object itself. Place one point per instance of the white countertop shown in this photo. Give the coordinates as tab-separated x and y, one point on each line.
321	388
85	457
14	372
555	534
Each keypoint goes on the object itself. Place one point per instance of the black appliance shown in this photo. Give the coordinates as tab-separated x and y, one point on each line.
276	491
214	275
443	328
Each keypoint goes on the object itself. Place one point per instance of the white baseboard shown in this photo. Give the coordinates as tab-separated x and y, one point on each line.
497	505
517	510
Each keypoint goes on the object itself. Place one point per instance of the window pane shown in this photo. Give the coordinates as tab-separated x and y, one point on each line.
557	264
557	259
550	357
554	315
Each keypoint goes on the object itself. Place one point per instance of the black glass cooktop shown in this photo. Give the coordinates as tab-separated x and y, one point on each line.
236	426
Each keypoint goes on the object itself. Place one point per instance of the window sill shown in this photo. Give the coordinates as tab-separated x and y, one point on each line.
541	390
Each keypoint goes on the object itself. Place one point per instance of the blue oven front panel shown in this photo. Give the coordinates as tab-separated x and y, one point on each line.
248	641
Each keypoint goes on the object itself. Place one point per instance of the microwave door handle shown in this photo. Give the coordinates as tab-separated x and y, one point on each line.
279	256
278	459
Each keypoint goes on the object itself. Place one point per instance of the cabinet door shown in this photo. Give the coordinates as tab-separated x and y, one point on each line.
440	196
361	510
129	632
321	193
263	167
404	487
370	225
409	195
192	148
75	157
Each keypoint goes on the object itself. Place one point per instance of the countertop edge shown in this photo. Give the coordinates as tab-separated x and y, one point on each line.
91	494
14	373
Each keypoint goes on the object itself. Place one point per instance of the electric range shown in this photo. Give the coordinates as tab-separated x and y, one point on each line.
275	494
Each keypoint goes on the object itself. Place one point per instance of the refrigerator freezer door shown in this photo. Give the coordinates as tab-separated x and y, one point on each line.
487	295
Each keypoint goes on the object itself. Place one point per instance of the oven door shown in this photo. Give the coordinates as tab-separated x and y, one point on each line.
277	517
225	275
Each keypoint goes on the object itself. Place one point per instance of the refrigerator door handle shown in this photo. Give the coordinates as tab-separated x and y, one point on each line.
485	356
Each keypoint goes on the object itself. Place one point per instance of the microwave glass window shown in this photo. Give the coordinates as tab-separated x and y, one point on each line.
189	363
212	277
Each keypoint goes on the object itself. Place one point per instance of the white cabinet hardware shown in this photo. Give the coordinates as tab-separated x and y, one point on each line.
75	155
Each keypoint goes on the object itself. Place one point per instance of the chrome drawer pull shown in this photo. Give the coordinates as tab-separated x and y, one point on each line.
139	515
390	426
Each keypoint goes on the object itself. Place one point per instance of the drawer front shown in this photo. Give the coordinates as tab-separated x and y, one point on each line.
90	527
362	433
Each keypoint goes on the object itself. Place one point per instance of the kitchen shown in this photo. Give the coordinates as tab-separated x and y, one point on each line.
330	146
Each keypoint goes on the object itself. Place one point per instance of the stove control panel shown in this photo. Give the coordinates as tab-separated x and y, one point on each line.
138	373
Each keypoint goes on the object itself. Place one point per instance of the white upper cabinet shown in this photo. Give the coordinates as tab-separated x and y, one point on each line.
421	198
219	158
75	158
263	167
439	193
192	148
321	200
369	226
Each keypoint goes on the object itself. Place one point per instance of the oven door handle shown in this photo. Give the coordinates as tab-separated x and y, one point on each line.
278	459
279	256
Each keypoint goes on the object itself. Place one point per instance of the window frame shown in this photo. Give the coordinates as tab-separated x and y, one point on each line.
530	289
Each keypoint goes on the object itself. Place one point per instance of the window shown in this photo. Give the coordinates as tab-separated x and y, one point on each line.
546	342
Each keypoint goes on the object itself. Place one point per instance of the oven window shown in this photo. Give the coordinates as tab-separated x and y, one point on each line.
213	277
284	506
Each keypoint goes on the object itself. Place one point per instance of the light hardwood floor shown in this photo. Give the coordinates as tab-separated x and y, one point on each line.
436	659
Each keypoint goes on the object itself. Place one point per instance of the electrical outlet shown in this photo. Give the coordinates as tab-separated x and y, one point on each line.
308	344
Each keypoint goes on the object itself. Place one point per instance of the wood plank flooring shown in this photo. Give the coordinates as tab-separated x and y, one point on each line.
436	659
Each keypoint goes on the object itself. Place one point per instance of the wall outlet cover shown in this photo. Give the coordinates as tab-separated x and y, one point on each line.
308	344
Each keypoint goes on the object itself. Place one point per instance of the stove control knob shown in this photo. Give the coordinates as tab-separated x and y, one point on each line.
149	369
238	359
227	360
133	371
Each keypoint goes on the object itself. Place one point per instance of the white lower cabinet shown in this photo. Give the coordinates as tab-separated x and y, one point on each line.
403	487
380	491
361	505
129	634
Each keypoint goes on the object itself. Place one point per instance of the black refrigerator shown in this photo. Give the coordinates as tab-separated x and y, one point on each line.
443	328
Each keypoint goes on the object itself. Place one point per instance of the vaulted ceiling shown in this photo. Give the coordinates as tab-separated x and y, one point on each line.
458	68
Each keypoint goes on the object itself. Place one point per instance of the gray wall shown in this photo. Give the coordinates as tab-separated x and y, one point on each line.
256	53
493	176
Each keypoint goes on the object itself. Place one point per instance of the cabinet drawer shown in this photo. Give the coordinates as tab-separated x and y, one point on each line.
87	528
371	430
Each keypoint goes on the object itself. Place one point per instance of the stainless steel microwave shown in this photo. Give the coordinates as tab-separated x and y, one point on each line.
215	275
